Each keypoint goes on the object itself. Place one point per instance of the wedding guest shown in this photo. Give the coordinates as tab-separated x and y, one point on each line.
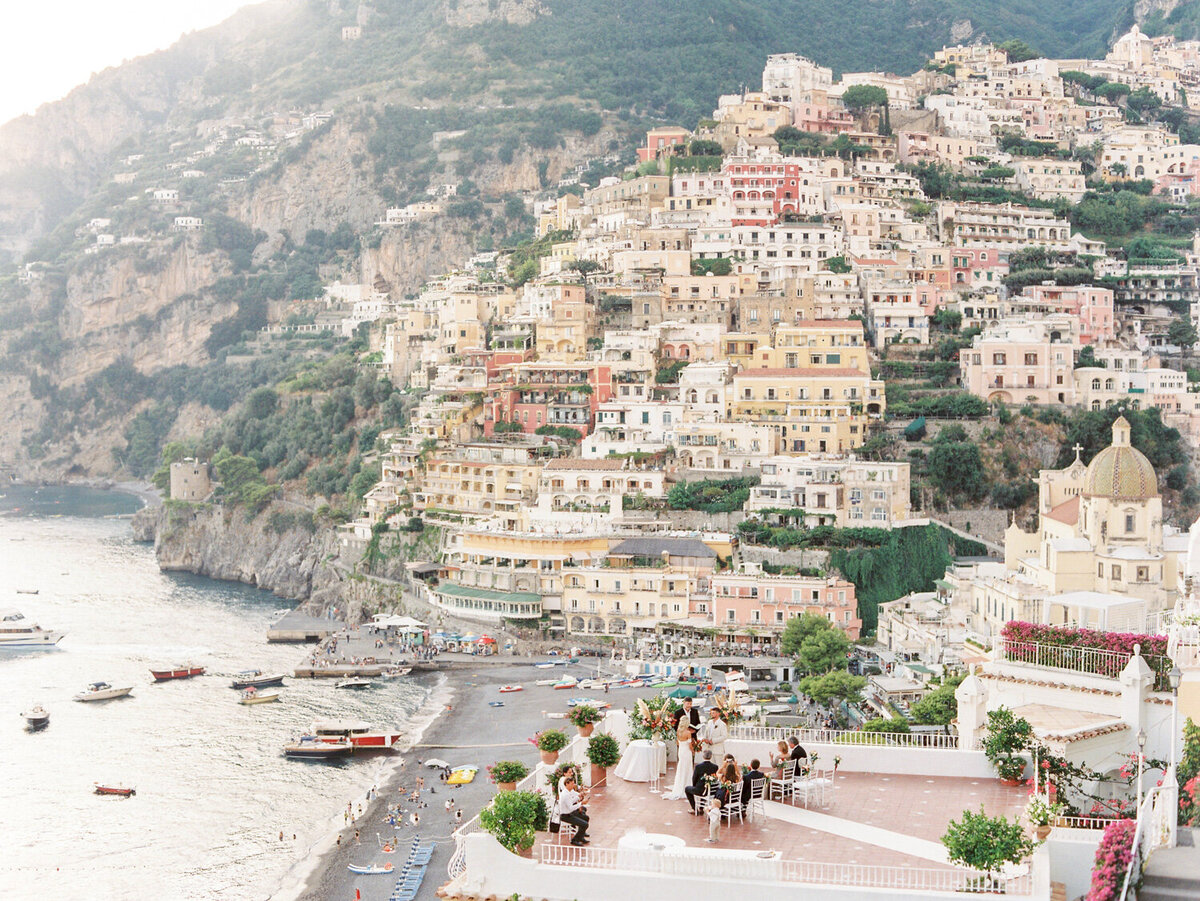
797	752
703	770
714	821
755	775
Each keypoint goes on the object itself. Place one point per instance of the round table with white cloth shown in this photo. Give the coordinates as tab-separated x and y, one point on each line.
638	850
642	761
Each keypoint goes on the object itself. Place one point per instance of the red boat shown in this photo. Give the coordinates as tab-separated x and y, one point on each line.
118	790
359	734
178	671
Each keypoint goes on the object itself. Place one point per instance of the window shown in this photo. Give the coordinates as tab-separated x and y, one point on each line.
1116	573
731	616
1129	523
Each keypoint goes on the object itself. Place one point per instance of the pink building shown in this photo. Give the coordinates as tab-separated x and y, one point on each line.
978	267
1092	307
744	600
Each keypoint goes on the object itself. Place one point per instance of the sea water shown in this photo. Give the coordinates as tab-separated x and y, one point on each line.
213	789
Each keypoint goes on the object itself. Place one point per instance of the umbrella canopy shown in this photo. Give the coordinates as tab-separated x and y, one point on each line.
436	762
683	692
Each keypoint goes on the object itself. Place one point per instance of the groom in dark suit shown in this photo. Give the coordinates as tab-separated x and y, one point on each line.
703	769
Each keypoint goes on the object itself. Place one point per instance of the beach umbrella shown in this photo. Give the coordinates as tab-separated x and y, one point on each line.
684	691
436	762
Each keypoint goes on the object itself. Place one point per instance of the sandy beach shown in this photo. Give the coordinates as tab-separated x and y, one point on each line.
470	732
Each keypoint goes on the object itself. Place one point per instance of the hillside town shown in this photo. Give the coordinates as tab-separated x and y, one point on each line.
654	434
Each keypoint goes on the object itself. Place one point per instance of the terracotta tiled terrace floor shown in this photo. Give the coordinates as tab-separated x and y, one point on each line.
904	807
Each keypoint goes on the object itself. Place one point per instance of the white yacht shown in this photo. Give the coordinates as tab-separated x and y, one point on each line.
18	632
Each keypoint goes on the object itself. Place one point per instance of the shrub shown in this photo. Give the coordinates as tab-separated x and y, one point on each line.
584	715
508	771
1113	858
514	818
603	751
986	843
551	740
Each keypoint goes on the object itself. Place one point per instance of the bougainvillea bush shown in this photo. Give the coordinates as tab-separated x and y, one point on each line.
1022	638
1112	861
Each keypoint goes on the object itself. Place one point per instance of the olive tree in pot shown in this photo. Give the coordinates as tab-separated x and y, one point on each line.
603	751
550	742
986	843
515	818
507	773
584	717
1007	736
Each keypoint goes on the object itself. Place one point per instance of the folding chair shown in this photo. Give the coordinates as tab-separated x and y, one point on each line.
733	805
758	790
783	787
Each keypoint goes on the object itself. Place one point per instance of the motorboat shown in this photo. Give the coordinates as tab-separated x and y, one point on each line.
120	791
177	671
504	689
36	717
102	691
495	703
395	672
309	747
256	678
354	683
590	702
569	682
369	869
546	682
254	696
18	632
358	733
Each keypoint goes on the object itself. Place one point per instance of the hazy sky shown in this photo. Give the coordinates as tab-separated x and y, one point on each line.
47	47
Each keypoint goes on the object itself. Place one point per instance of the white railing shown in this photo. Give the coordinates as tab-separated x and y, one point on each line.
1155	827
802	871
1081	660
1081	822
458	860
846	737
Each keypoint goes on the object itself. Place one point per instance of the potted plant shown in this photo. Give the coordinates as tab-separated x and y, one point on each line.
550	742
602	752
514	818
584	717
1006	737
986	843
1041	814
507	773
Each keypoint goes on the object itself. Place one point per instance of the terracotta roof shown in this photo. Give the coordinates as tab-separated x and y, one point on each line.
801	373
1066	512
577	463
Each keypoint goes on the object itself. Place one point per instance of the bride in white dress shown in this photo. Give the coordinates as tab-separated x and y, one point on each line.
683	769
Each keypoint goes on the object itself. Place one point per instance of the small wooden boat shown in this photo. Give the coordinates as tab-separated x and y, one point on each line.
504	689
395	672
256	679
546	682
357	684
495	703
309	747
102	691
119	790
36	717
177	671
369	869
254	696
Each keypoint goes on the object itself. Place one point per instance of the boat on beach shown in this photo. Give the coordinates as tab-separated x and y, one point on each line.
569	682
254	696
369	869
256	678
309	747
177	671
28	590
361	735
120	791
354	683
504	689
546	682
18	632
36	717
102	691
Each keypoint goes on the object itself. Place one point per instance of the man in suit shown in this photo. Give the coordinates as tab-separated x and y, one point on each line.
703	769
798	753
716	733
748	781
691	713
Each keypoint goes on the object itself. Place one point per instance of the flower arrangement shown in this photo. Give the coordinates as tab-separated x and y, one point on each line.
551	740
725	701
1042	812
837	761
1113	858
584	715
507	771
654	718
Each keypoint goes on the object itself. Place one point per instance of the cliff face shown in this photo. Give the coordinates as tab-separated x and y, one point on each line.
222	544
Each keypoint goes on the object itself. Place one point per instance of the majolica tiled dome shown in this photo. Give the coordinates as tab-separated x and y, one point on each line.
1120	471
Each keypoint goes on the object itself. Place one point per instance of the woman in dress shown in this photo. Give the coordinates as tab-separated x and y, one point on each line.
684	733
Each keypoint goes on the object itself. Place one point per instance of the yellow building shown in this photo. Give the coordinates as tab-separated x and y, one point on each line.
816	344
482	479
564	338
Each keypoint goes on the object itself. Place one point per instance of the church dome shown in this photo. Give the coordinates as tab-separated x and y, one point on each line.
1120	471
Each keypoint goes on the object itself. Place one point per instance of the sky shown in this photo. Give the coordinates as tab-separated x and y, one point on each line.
48	47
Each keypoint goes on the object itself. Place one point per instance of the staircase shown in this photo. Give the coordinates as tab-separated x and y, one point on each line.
1173	874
